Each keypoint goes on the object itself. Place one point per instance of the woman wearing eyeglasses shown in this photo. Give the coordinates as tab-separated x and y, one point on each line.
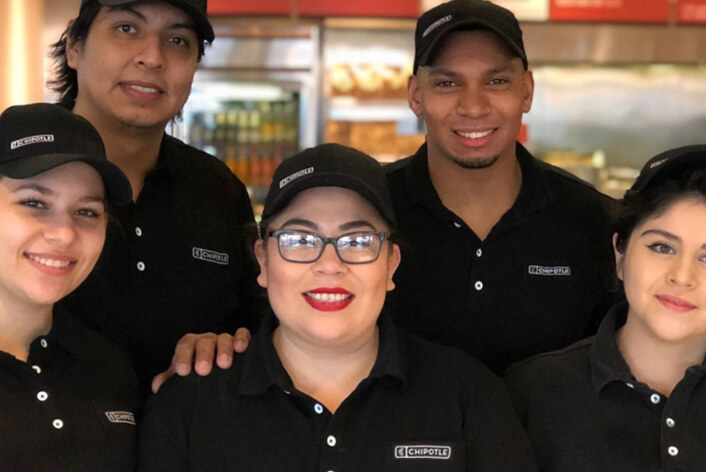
327	383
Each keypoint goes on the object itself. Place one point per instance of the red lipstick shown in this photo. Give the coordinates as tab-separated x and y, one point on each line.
328	298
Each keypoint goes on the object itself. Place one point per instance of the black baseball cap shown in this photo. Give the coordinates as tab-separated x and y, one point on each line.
196	9
669	163
457	15
329	165
36	138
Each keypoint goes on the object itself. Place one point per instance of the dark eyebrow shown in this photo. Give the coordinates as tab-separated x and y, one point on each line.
130	10
47	192
140	16
437	71
93	198
356	224
664	234
32	186
299	222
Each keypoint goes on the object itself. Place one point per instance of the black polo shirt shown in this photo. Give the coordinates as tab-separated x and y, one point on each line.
175	262
539	281
423	407
71	406
585	411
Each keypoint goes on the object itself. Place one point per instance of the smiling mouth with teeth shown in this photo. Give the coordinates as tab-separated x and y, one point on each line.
142	89
474	135
49	262
329	297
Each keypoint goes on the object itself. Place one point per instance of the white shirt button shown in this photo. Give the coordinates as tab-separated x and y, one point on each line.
57	423
37	369
138	231
141	266
456	224
478	285
287	392
672	451
43	342
655	399
42	396
318	408
629	385
670	422
331	440
479	252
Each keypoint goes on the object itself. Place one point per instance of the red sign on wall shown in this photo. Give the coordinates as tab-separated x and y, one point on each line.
621	11
365	8
249	7
691	11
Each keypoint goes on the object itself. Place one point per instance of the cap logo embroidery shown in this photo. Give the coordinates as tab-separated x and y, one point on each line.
658	163
549	271
291	177
40	138
436	24
423	452
125	417
209	256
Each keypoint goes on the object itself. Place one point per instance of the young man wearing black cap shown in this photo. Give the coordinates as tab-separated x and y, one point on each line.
177	262
506	256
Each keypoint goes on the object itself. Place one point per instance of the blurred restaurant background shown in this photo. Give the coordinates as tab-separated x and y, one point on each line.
617	81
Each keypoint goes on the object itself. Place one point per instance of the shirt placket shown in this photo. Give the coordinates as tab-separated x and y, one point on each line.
673	426
41	391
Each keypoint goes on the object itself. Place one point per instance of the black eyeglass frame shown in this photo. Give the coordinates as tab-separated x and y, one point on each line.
382	236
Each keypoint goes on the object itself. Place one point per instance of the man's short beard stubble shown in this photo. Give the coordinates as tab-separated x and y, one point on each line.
477	163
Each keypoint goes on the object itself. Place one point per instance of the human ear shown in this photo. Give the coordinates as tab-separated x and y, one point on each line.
72	48
528	81
261	256
619	258
413	95
393	261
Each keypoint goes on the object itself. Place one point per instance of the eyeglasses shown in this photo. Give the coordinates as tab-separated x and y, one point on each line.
360	247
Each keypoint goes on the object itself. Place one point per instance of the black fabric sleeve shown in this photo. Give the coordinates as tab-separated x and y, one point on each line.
496	440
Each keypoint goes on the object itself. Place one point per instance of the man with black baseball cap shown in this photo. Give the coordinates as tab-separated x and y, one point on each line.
178	260
507	256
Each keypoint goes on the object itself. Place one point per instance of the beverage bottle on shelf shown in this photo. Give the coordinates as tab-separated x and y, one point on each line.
219	134
242	123
243	165
268	169
196	133
232	121
255	166
231	158
209	123
266	128
277	122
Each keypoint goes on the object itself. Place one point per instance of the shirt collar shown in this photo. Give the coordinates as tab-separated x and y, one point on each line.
262	368
607	363
534	194
64	333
